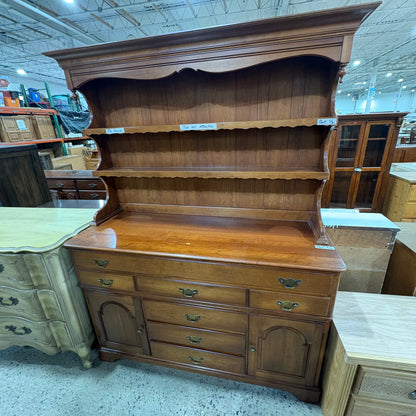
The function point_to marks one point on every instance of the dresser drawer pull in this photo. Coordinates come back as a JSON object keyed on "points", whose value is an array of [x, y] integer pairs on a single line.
{"points": [[92, 185], [101, 263], [13, 301], [1, 268], [191, 317], [94, 196], [188, 293], [13, 329], [289, 283], [106, 282], [412, 395], [196, 360], [59, 185], [194, 340], [287, 305]]}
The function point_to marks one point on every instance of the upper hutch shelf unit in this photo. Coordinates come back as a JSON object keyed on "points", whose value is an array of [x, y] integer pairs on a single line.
{"points": [[210, 254], [235, 117]]}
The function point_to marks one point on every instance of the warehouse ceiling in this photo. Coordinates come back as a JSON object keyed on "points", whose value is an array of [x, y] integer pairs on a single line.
{"points": [[385, 45]]}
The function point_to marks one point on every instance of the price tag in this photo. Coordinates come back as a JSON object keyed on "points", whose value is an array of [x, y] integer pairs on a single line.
{"points": [[115, 131], [206, 126], [327, 122], [325, 247]]}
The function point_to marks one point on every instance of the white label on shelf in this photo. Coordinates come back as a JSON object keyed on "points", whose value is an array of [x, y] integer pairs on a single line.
{"points": [[327, 121], [21, 124], [206, 126], [325, 247], [117, 130]]}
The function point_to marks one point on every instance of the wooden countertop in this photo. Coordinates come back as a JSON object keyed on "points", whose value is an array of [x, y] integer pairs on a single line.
{"points": [[407, 234], [237, 240], [68, 174], [40, 229], [377, 329], [409, 176]]}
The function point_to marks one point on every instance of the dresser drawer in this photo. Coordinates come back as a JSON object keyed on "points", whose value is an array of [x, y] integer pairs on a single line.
{"points": [[288, 302], [91, 185], [368, 407], [197, 338], [61, 183], [195, 317], [14, 272], [412, 194], [386, 385], [198, 358], [106, 280], [192, 291], [92, 194], [20, 331], [267, 278]]}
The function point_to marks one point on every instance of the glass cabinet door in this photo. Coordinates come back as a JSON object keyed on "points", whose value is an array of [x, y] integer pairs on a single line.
{"points": [[348, 145], [376, 145]]}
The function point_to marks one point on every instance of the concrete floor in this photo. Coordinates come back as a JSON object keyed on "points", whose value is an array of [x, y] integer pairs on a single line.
{"points": [[33, 383]]}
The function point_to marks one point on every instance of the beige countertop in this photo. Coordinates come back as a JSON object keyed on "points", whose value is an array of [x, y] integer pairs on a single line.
{"points": [[408, 176], [377, 329], [40, 229]]}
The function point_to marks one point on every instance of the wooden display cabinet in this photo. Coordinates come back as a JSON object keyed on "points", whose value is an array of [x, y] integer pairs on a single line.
{"points": [[210, 254], [360, 160]]}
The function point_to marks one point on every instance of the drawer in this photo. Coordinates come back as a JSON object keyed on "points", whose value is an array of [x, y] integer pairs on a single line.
{"points": [[363, 407], [206, 318], [197, 338], [92, 194], [61, 183], [106, 280], [91, 185], [198, 358], [192, 291], [318, 284], [385, 384], [20, 331], [288, 302], [14, 272], [69, 194], [412, 194], [409, 210]]}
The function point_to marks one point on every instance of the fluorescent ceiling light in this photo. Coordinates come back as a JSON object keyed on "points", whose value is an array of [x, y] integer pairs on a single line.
{"points": [[21, 71], [404, 86], [356, 63], [389, 74], [69, 1], [400, 80]]}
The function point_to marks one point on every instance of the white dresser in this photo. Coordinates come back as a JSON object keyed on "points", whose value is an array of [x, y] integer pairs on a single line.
{"points": [[40, 303]]}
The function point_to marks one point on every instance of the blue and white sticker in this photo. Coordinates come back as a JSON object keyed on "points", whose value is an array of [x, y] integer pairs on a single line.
{"points": [[325, 247], [117, 130]]}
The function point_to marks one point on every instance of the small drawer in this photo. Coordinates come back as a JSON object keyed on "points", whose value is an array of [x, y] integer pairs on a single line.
{"points": [[106, 280], [363, 407], [91, 185], [398, 386], [197, 338], [291, 303], [69, 194], [191, 291], [61, 183], [92, 194], [14, 272], [172, 313], [198, 358], [412, 194]]}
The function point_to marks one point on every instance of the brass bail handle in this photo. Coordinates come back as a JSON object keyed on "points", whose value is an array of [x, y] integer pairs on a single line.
{"points": [[101, 263], [286, 305], [188, 293], [192, 318], [289, 283], [106, 282]]}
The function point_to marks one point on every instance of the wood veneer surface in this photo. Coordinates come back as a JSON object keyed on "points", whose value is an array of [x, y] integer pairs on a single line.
{"points": [[237, 240]]}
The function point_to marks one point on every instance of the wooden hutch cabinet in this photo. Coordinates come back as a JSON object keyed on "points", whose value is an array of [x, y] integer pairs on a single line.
{"points": [[210, 254], [359, 160]]}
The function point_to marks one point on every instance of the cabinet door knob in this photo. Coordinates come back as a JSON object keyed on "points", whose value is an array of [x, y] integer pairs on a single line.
{"points": [[106, 282], [196, 360], [100, 263], [286, 305], [252, 348], [140, 331], [191, 317], [13, 301], [12, 328], [412, 395], [1, 268], [289, 283], [188, 293], [194, 340]]}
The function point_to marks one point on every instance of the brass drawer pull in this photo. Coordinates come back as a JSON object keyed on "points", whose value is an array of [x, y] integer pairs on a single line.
{"points": [[101, 263], [194, 340], [1, 268], [192, 318], [59, 185], [412, 395], [94, 196], [287, 305], [92, 185], [188, 293], [196, 360], [13, 329], [106, 282], [289, 283], [13, 301]]}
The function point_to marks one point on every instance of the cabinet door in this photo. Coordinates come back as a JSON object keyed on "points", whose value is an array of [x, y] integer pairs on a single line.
{"points": [[118, 322], [285, 350]]}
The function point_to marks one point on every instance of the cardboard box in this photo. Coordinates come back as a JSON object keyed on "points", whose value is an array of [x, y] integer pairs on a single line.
{"points": [[77, 150], [77, 162]]}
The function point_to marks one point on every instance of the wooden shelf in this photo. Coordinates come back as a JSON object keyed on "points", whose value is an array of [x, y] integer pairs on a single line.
{"points": [[57, 140], [164, 128], [212, 172], [27, 110]]}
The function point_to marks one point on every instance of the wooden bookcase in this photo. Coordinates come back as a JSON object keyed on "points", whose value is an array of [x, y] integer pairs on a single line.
{"points": [[210, 254], [359, 160]]}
